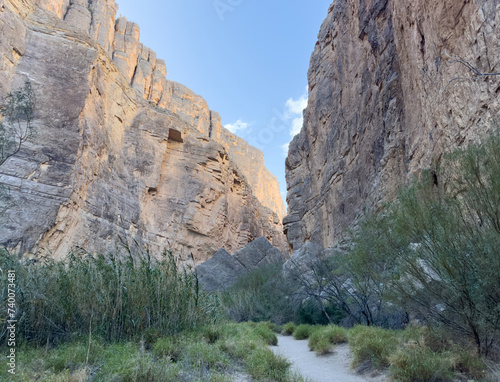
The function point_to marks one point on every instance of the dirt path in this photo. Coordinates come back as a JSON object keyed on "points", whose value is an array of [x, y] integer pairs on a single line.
{"points": [[329, 368]]}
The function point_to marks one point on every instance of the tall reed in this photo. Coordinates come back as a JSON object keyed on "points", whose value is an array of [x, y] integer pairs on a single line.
{"points": [[117, 297]]}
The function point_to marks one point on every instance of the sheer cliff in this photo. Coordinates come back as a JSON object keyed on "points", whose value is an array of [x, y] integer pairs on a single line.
{"points": [[122, 156], [385, 100]]}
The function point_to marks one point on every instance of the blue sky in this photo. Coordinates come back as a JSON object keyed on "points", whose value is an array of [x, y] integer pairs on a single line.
{"points": [[247, 58]]}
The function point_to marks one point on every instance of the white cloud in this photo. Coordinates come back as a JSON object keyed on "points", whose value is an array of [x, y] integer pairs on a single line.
{"points": [[284, 149], [239, 125], [296, 126], [293, 111], [296, 106], [293, 117]]}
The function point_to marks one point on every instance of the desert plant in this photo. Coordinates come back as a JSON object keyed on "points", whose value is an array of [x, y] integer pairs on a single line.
{"points": [[288, 329], [323, 338], [16, 127], [112, 297], [260, 295], [444, 238], [303, 331], [373, 345]]}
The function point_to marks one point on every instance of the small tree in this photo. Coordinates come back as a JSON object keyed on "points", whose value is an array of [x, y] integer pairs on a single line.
{"points": [[355, 282], [16, 125]]}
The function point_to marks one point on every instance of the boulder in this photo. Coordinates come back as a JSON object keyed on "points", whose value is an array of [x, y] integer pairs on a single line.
{"points": [[223, 270]]}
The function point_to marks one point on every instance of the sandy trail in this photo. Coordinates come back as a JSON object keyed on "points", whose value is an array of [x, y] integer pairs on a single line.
{"points": [[334, 367]]}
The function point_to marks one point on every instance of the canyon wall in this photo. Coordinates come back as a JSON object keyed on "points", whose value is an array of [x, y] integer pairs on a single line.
{"points": [[122, 157], [386, 100]]}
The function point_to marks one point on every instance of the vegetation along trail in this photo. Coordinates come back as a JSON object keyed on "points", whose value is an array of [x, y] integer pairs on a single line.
{"points": [[333, 367]]}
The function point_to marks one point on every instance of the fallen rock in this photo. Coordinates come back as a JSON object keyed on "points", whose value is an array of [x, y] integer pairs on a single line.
{"points": [[223, 270]]}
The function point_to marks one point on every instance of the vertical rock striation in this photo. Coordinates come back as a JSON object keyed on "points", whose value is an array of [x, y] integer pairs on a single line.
{"points": [[381, 105], [123, 156]]}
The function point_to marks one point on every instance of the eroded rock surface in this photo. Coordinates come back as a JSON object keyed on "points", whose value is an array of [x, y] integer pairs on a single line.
{"points": [[381, 106], [223, 269], [123, 157]]}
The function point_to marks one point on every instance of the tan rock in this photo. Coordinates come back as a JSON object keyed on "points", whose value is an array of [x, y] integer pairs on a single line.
{"points": [[380, 107], [120, 159], [250, 161]]}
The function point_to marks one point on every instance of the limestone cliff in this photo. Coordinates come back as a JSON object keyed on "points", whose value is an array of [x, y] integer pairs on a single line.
{"points": [[381, 105], [123, 156]]}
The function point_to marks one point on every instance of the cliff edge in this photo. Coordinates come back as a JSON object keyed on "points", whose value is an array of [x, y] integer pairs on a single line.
{"points": [[122, 157], [386, 100]]}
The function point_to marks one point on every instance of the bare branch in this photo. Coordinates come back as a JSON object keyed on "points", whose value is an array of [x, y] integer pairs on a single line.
{"points": [[475, 72]]}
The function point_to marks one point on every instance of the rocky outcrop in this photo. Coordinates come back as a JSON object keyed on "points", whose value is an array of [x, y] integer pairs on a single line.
{"points": [[123, 157], [250, 161], [381, 105], [223, 270]]}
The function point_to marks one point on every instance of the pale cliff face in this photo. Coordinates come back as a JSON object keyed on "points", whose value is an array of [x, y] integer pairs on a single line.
{"points": [[380, 108], [122, 155]]}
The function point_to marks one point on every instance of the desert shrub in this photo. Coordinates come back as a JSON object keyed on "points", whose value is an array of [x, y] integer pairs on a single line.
{"points": [[260, 295], [202, 356], [323, 339], [303, 331], [288, 329], [433, 253], [272, 326], [419, 364], [373, 345], [311, 312], [265, 365], [319, 343], [127, 363], [168, 347], [267, 334], [468, 362]]}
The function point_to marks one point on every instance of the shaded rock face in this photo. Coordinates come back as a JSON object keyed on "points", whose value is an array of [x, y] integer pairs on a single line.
{"points": [[223, 270], [381, 107], [123, 156]]}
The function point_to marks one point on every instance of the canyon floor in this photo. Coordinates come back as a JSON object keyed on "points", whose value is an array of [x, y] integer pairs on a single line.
{"points": [[333, 367]]}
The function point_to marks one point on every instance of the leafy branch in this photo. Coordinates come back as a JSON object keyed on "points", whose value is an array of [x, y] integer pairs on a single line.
{"points": [[16, 126]]}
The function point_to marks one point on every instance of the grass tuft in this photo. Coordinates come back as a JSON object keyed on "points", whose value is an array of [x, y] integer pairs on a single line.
{"points": [[373, 345], [322, 339], [288, 329], [302, 332]]}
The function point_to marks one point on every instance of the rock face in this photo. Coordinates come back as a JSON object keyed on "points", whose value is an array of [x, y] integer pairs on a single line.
{"points": [[381, 105], [223, 270], [123, 156]]}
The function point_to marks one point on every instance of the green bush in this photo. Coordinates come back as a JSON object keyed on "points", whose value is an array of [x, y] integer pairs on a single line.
{"points": [[262, 329], [288, 329], [322, 339], [202, 356], [372, 344], [468, 362], [419, 364], [260, 295], [272, 326], [303, 331], [265, 365], [432, 253], [168, 347], [127, 363], [319, 344]]}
